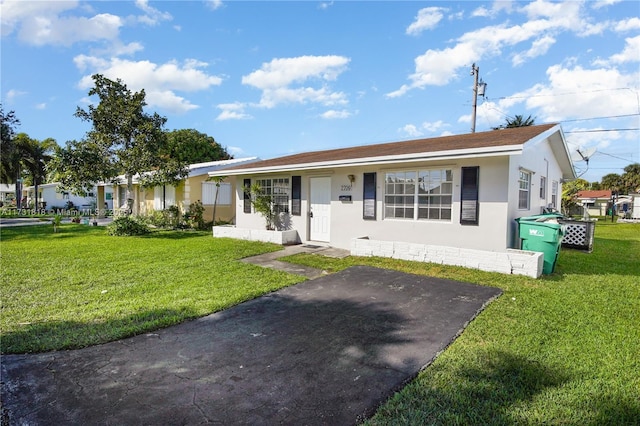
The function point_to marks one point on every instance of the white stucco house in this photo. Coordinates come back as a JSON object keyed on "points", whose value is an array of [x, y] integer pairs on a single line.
{"points": [[451, 199], [53, 197]]}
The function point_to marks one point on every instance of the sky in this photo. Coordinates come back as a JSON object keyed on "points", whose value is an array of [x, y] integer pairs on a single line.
{"points": [[268, 78]]}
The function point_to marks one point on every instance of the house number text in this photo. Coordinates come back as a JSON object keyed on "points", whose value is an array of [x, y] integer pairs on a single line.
{"points": [[345, 187]]}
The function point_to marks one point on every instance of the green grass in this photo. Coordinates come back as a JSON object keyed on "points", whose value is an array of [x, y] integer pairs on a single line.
{"points": [[563, 349], [81, 287]]}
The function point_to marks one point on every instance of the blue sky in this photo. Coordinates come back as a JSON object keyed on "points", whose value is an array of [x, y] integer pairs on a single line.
{"points": [[273, 78]]}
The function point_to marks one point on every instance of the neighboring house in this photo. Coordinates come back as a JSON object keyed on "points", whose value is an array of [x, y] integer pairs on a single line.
{"points": [[51, 197], [7, 194], [191, 189], [596, 202], [463, 191]]}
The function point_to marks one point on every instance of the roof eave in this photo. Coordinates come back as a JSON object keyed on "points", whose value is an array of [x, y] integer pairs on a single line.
{"points": [[371, 161]]}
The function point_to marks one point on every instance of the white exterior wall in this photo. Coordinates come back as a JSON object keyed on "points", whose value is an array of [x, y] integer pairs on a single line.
{"points": [[537, 158], [490, 234]]}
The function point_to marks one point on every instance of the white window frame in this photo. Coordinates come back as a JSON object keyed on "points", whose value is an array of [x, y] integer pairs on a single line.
{"points": [[524, 189], [279, 189], [543, 187], [419, 195]]}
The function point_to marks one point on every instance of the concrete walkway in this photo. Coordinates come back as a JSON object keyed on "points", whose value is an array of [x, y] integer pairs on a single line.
{"points": [[327, 351], [270, 260]]}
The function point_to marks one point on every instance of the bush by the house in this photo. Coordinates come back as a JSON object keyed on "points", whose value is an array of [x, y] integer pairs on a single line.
{"points": [[127, 226]]}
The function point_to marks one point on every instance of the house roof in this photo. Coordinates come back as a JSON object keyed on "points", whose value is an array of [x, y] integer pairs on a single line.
{"points": [[199, 169], [490, 143], [603, 194]]}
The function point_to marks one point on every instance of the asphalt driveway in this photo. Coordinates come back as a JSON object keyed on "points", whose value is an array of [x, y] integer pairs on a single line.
{"points": [[324, 352]]}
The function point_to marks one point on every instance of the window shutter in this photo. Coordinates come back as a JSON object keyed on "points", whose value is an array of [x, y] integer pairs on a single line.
{"points": [[246, 185], [369, 197], [469, 209], [296, 195]]}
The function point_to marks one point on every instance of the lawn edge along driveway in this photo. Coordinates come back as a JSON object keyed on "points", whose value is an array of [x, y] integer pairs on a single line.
{"points": [[326, 351]]}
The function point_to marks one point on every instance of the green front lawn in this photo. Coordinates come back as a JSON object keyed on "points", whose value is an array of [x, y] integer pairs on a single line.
{"points": [[563, 349], [81, 287]]}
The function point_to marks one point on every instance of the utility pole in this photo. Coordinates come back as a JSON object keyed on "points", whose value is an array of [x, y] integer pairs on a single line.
{"points": [[478, 89]]}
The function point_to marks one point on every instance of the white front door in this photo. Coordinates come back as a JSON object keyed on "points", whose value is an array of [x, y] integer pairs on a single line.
{"points": [[320, 209]]}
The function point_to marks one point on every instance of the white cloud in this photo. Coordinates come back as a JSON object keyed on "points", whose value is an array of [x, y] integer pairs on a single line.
{"points": [[276, 78], [414, 131], [159, 81], [545, 19], [581, 93], [498, 6], [334, 114], [631, 52], [42, 105], [410, 130], [325, 5], [427, 19], [631, 24], [12, 94], [232, 111], [538, 48], [214, 4], [604, 3], [152, 15]]}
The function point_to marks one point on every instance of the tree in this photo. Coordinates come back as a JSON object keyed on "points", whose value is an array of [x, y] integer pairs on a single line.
{"points": [[631, 178], [35, 156], [517, 121], [124, 139], [569, 191], [612, 181], [9, 154], [191, 146]]}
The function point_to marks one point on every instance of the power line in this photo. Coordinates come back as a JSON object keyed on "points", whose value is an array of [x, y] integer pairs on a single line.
{"points": [[566, 93], [603, 130], [601, 118]]}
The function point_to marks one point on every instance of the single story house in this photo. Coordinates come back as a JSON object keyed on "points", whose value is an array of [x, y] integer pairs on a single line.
{"points": [[595, 202], [52, 197], [191, 189], [426, 199]]}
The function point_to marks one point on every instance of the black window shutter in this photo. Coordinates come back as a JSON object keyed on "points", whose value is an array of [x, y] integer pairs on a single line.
{"points": [[296, 195], [369, 197], [246, 195], [469, 205]]}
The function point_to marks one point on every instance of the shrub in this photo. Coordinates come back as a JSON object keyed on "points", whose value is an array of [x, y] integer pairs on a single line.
{"points": [[126, 226], [196, 215]]}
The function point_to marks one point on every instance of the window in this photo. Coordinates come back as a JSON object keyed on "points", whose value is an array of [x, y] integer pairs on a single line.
{"points": [[279, 190], [554, 194], [524, 185], [296, 195], [543, 187], [419, 195], [369, 197], [246, 196], [164, 197], [209, 190], [469, 209]]}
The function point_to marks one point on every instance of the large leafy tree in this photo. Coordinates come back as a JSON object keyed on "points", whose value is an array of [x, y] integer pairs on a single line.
{"points": [[612, 181], [124, 139], [9, 153], [191, 146], [35, 156], [631, 178], [569, 191]]}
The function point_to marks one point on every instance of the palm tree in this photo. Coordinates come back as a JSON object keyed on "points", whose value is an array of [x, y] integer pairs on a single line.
{"points": [[35, 155], [517, 121]]}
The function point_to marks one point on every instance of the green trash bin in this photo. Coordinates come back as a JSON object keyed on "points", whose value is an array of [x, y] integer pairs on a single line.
{"points": [[543, 234]]}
